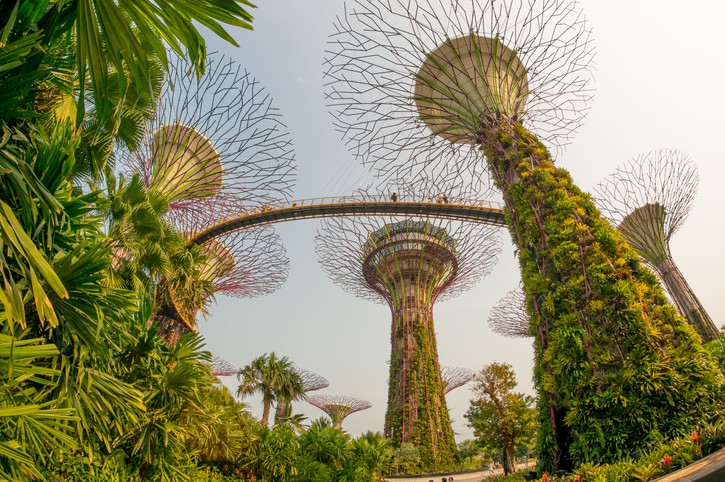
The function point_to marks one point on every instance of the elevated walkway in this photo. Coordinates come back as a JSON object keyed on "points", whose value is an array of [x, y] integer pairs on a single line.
{"points": [[488, 212]]}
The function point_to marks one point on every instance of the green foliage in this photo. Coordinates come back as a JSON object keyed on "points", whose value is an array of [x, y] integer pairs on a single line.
{"points": [[659, 460], [716, 348], [500, 418], [414, 370], [31, 425], [616, 366], [275, 378], [407, 459]]}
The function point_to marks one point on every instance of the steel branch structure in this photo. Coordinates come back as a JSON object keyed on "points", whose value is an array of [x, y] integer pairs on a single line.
{"points": [[455, 377], [410, 82], [509, 317], [409, 263], [222, 368], [311, 381], [338, 407], [443, 89], [217, 146], [648, 199]]}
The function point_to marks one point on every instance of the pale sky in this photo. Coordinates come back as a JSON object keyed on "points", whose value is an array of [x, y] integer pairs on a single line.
{"points": [[659, 81]]}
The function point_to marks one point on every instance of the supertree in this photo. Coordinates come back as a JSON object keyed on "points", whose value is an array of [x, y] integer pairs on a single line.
{"points": [[509, 317], [648, 199], [455, 377], [222, 368], [338, 407], [311, 382], [216, 146], [410, 263], [444, 88], [242, 264]]}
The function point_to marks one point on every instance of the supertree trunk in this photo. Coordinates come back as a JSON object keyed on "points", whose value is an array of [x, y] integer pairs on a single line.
{"points": [[608, 340], [686, 301], [417, 410]]}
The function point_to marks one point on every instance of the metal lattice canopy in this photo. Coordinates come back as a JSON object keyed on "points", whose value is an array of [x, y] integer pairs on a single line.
{"points": [[408, 83], [222, 368], [648, 199], [508, 317], [216, 146], [349, 247], [455, 377], [338, 407], [311, 381]]}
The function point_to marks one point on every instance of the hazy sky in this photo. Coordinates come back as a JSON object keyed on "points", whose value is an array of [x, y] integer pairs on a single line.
{"points": [[659, 76]]}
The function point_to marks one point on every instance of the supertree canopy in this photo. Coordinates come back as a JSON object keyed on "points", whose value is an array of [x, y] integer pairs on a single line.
{"points": [[509, 317], [455, 377], [648, 199], [338, 407], [410, 263], [222, 368], [443, 88], [447, 65], [216, 146], [242, 264], [311, 382]]}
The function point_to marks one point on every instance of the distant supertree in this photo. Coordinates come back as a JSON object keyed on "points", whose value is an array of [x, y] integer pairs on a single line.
{"points": [[449, 89], [216, 146], [338, 407], [509, 317], [222, 368], [410, 263], [310, 382], [455, 377], [648, 199]]}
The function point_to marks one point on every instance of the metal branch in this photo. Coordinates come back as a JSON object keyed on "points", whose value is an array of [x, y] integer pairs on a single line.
{"points": [[338, 407], [222, 368], [311, 381], [648, 199], [406, 119], [246, 263], [217, 145], [509, 317], [455, 377], [339, 244]]}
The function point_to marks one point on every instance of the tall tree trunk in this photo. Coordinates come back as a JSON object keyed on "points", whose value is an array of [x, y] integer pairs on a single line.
{"points": [[509, 458]]}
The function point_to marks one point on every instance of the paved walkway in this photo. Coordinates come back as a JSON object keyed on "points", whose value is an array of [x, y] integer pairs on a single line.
{"points": [[457, 477]]}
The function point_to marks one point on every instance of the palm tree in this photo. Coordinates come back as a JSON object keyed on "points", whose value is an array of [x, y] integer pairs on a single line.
{"points": [[275, 378]]}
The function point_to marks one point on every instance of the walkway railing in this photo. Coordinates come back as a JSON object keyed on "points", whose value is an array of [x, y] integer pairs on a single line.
{"points": [[489, 212]]}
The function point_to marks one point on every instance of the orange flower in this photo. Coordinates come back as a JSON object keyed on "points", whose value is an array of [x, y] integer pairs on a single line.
{"points": [[695, 438], [666, 459], [577, 478], [545, 477]]}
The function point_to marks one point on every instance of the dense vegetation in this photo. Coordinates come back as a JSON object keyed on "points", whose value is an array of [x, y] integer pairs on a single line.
{"points": [[616, 366], [90, 390], [501, 418]]}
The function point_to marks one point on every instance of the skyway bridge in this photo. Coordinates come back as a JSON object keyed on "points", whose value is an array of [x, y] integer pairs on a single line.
{"points": [[479, 211]]}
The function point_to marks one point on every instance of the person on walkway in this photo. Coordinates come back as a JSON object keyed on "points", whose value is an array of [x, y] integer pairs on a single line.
{"points": [[394, 197]]}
